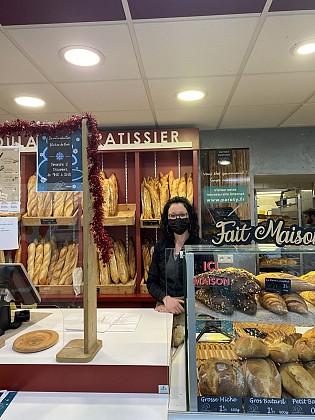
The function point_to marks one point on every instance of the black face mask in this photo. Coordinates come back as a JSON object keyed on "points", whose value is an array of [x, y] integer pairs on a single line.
{"points": [[178, 226]]}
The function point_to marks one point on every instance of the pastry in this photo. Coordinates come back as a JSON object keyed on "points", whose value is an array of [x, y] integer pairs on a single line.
{"points": [[295, 303], [273, 303]]}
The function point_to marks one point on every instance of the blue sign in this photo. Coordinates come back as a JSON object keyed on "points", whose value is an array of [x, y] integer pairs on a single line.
{"points": [[59, 162]]}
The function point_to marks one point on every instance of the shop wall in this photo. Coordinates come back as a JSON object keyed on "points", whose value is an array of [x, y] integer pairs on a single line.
{"points": [[272, 150]]}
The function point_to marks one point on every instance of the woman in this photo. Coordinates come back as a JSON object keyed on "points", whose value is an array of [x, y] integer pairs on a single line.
{"points": [[165, 281]]}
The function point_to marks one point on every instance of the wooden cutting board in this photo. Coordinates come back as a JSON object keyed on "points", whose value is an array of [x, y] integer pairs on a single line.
{"points": [[34, 341]]}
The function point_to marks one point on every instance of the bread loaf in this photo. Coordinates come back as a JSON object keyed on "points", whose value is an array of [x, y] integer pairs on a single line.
{"points": [[250, 347], [273, 303], [59, 203], [190, 189], [221, 377], [104, 271], [59, 265], [31, 196], [297, 381], [283, 353], [305, 348], [246, 304], [42, 277], [53, 262], [292, 338], [31, 250], [121, 258], [217, 303], [39, 255], [131, 258], [113, 267], [262, 378], [113, 194], [182, 186], [295, 303], [68, 204]]}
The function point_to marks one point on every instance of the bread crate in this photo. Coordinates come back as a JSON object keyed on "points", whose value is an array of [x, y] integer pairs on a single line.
{"points": [[119, 289], [126, 216], [58, 289]]}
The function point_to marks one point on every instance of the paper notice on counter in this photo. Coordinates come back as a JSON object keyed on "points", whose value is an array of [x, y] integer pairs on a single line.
{"points": [[109, 321], [9, 233]]}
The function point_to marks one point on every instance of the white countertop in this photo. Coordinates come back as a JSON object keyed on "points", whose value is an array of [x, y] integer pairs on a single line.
{"points": [[149, 344]]}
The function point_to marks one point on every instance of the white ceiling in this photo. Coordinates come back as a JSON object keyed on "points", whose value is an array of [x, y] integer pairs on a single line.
{"points": [[243, 61]]}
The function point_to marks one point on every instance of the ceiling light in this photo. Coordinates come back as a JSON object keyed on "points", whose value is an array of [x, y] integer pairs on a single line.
{"points": [[29, 101], [303, 48], [81, 56], [190, 95]]}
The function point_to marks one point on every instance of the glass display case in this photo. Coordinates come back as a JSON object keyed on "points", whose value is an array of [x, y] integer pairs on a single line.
{"points": [[250, 336]]}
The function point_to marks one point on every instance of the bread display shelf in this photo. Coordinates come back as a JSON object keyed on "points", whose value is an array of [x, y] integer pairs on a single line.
{"points": [[58, 289], [143, 287], [262, 316], [18, 215], [119, 289], [126, 216], [150, 223], [49, 220]]}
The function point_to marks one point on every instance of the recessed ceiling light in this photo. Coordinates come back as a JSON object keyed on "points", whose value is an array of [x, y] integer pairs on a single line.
{"points": [[81, 56], [29, 101], [190, 95], [304, 47]]}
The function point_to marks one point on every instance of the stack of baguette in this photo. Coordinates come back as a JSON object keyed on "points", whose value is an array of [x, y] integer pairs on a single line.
{"points": [[110, 193], [49, 265], [121, 267], [46, 204], [155, 192], [147, 253]]}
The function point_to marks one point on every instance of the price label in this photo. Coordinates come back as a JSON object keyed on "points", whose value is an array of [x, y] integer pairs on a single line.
{"points": [[302, 406], [220, 404], [266, 406], [48, 221], [280, 286]]}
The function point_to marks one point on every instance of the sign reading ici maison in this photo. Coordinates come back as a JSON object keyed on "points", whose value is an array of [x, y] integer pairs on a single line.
{"points": [[236, 233]]}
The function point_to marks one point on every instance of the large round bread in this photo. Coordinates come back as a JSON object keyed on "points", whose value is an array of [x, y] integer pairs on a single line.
{"points": [[250, 347], [221, 377]]}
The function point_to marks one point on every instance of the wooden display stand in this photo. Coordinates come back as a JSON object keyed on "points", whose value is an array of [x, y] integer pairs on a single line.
{"points": [[83, 351]]}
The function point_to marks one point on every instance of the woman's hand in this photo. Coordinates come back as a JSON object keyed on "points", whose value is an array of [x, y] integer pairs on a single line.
{"points": [[173, 305]]}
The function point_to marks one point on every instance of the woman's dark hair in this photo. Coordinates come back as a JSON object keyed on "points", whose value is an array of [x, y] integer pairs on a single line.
{"points": [[193, 227]]}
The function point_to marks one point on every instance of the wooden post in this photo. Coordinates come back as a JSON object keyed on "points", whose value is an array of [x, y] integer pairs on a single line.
{"points": [[78, 350]]}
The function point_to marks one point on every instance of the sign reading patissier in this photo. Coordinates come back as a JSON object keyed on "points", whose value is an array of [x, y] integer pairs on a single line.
{"points": [[185, 138], [9, 179]]}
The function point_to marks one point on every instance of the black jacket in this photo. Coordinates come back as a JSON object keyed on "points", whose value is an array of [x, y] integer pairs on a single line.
{"points": [[166, 272]]}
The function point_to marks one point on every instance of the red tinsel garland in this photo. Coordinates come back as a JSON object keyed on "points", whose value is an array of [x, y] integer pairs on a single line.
{"points": [[33, 128]]}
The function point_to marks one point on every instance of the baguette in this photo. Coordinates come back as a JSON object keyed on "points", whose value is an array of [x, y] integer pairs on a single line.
{"points": [[113, 194], [297, 380], [174, 188], [59, 265], [69, 264], [39, 255], [42, 277], [131, 258], [31, 250], [18, 252], [164, 194], [104, 270], [59, 203], [190, 189], [68, 204], [53, 262], [262, 378], [44, 204], [31, 196], [121, 258], [146, 202], [2, 256], [113, 267], [182, 186]]}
